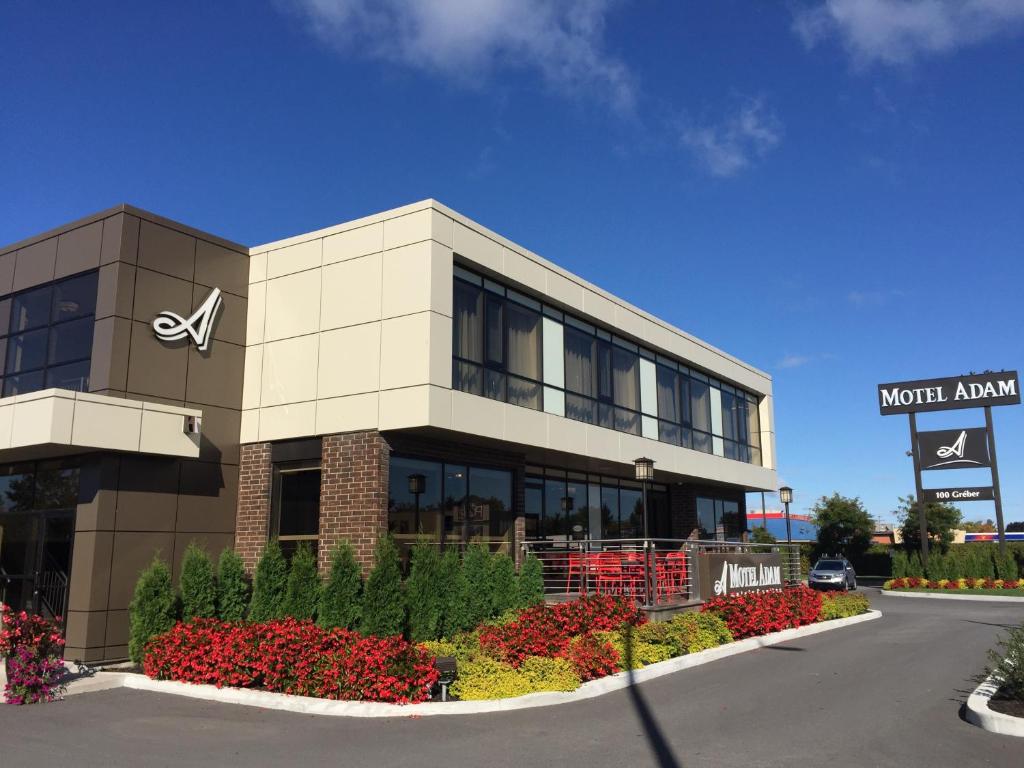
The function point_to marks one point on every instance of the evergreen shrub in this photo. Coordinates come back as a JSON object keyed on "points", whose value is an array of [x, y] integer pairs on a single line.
{"points": [[302, 592], [198, 586], [269, 584], [383, 602], [341, 599], [423, 593], [153, 609], [232, 586]]}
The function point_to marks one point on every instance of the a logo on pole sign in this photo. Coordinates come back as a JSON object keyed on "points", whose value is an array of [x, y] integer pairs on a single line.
{"points": [[954, 448], [170, 326]]}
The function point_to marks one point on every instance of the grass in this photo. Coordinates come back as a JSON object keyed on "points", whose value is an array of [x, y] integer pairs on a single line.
{"points": [[991, 592]]}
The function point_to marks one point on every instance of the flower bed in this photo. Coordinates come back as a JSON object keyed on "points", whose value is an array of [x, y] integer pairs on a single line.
{"points": [[33, 649], [955, 585], [292, 656], [543, 648]]}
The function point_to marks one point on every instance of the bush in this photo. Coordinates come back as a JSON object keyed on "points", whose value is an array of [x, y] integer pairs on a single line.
{"points": [[899, 564], [269, 584], [530, 582], [423, 593], [303, 588], [549, 674], [837, 605], [591, 657], [454, 595], [692, 632], [1006, 566], [33, 647], [383, 603], [153, 609], [634, 652], [232, 586], [198, 587], [503, 587], [341, 597], [548, 630], [757, 613], [914, 567], [1007, 668], [294, 657], [476, 570], [487, 678]]}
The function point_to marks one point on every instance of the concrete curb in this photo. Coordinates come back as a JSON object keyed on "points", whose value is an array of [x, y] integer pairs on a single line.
{"points": [[312, 706], [979, 714], [931, 596]]}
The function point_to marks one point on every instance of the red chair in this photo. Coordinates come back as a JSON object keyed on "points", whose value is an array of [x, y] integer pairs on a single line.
{"points": [[675, 573], [574, 568], [608, 574]]}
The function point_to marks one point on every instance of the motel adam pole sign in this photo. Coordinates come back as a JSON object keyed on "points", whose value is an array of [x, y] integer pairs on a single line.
{"points": [[968, 448]]}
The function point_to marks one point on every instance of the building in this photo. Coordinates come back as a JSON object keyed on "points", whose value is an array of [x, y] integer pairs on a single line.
{"points": [[410, 371], [774, 521]]}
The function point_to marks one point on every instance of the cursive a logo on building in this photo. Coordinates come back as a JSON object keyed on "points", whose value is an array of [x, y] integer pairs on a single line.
{"points": [[737, 577], [170, 326]]}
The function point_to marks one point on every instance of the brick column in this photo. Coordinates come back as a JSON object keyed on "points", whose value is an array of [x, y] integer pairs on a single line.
{"points": [[252, 520], [353, 494]]}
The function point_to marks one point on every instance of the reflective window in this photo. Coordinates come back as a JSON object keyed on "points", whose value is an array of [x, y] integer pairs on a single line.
{"points": [[295, 512], [50, 336], [718, 519]]}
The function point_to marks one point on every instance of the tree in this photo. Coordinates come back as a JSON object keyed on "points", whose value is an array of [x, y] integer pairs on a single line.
{"points": [[423, 595], [503, 588], [844, 526], [455, 595], [941, 519], [530, 583], [232, 586], [269, 584], [1017, 526], [761, 535], [302, 592], [476, 568], [198, 587], [383, 604], [153, 609], [979, 526], [342, 595]]}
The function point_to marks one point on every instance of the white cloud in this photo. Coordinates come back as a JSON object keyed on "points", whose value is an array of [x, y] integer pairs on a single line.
{"points": [[873, 298], [898, 31], [793, 361], [563, 41], [728, 147]]}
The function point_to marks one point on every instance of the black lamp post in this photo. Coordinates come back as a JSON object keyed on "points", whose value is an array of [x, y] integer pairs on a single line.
{"points": [[417, 485], [786, 497], [568, 502], [644, 469]]}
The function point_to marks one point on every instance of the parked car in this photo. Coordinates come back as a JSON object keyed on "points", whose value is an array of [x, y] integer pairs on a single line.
{"points": [[832, 573]]}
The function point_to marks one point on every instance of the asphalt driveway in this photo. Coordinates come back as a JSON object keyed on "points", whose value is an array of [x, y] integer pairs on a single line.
{"points": [[883, 693]]}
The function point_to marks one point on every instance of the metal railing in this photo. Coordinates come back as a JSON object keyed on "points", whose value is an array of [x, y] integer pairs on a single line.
{"points": [[653, 572]]}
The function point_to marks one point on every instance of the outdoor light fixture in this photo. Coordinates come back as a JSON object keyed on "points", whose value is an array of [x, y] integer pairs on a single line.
{"points": [[644, 469], [645, 473], [417, 485], [786, 497]]}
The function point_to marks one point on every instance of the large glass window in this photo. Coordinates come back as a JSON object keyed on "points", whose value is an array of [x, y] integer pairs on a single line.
{"points": [[718, 519], [48, 336], [593, 376], [454, 502], [496, 342], [295, 511]]}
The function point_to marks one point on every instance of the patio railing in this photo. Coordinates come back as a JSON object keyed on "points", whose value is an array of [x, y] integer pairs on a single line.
{"points": [[653, 572]]}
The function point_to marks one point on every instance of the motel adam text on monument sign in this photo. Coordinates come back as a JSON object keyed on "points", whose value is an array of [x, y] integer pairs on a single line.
{"points": [[950, 449]]}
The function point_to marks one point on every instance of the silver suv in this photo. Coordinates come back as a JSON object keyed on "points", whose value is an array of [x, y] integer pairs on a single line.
{"points": [[832, 573]]}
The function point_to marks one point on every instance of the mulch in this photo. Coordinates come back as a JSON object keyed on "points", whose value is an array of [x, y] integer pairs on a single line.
{"points": [[1006, 706]]}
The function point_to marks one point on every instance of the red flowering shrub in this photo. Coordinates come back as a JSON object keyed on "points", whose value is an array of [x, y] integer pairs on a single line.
{"points": [[1011, 584], [33, 647], [546, 630], [591, 657], [952, 584], [291, 656], [757, 613]]}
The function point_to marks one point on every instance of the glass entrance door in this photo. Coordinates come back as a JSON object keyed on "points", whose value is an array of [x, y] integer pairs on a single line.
{"points": [[35, 561]]}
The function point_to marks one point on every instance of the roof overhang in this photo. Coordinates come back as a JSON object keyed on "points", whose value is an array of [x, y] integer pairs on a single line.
{"points": [[58, 422]]}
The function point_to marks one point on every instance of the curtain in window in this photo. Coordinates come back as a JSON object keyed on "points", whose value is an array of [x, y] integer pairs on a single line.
{"points": [[668, 395], [468, 339], [524, 348], [700, 399], [579, 362], [626, 378]]}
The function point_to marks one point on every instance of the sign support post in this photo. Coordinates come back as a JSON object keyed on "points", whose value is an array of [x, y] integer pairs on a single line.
{"points": [[922, 518], [995, 480]]}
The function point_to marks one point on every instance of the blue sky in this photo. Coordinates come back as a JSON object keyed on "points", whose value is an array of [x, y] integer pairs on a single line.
{"points": [[832, 191]]}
